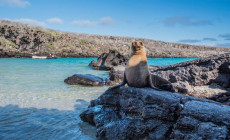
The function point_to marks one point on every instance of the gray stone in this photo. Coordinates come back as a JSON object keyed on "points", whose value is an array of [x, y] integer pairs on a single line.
{"points": [[108, 60], [144, 113], [198, 73], [84, 79]]}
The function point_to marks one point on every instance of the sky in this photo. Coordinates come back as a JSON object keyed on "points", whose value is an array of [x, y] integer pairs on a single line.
{"points": [[199, 22]]}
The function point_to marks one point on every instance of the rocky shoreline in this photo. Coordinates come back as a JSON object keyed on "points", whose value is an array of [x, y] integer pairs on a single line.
{"points": [[199, 110], [202, 78], [19, 40], [143, 113]]}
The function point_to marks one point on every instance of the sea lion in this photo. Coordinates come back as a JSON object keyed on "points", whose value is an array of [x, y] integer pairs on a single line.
{"points": [[137, 73]]}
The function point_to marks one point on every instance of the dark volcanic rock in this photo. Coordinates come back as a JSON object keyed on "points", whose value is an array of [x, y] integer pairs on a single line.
{"points": [[225, 68], [182, 87], [202, 120], [116, 75], [143, 113], [201, 78], [87, 80], [197, 72], [108, 60], [200, 72], [222, 98]]}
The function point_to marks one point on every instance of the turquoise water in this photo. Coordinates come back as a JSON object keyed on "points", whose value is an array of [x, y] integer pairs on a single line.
{"points": [[166, 61], [36, 104]]}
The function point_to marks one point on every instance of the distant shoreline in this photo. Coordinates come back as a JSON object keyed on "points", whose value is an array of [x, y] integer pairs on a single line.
{"points": [[20, 40], [96, 57]]}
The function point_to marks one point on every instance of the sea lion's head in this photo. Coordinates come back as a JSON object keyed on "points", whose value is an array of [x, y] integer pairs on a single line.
{"points": [[137, 47]]}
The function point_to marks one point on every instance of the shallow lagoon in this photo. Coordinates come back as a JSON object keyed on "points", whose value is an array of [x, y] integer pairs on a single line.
{"points": [[35, 103]]}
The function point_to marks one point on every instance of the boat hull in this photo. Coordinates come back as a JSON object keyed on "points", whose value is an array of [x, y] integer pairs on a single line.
{"points": [[39, 57]]}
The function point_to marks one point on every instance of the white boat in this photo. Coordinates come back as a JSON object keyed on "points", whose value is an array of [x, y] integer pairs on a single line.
{"points": [[39, 57]]}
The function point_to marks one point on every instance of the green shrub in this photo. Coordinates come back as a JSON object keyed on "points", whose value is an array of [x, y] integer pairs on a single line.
{"points": [[114, 49], [92, 48], [50, 46], [12, 44], [52, 35], [71, 47], [4, 42], [37, 29], [83, 42]]}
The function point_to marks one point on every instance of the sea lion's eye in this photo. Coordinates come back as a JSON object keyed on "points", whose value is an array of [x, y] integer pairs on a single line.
{"points": [[141, 43]]}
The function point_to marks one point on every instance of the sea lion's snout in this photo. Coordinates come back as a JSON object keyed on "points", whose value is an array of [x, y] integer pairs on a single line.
{"points": [[137, 45]]}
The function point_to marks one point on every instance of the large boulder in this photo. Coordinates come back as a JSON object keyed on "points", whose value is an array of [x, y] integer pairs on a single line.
{"points": [[143, 113], [108, 60], [200, 74], [84, 79]]}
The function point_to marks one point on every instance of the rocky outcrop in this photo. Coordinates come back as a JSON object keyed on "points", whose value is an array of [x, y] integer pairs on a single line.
{"points": [[107, 61], [86, 80], [19, 40], [222, 98], [200, 78], [203, 78], [143, 113]]}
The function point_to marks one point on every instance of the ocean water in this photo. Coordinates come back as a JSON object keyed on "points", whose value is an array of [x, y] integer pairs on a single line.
{"points": [[36, 104]]}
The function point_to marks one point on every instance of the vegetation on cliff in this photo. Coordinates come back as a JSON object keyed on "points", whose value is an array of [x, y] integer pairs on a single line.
{"points": [[19, 40]]}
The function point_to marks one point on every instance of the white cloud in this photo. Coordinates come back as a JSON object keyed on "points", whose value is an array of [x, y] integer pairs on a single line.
{"points": [[186, 21], [15, 3], [88, 23], [107, 21], [189, 41], [55, 20], [225, 36], [31, 22]]}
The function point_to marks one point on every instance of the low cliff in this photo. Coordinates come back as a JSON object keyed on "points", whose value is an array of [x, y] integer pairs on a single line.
{"points": [[142, 113], [19, 40]]}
